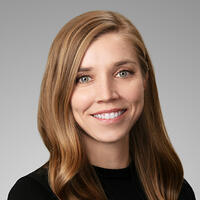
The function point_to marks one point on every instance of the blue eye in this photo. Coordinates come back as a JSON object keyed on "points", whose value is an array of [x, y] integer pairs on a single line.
{"points": [[83, 79], [123, 73]]}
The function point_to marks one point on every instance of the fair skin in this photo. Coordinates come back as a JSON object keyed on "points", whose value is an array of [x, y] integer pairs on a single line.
{"points": [[108, 99]]}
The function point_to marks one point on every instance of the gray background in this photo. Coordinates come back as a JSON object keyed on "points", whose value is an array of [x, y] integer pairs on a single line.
{"points": [[171, 32]]}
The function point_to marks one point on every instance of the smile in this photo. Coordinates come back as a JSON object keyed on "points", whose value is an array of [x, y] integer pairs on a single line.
{"points": [[111, 115]]}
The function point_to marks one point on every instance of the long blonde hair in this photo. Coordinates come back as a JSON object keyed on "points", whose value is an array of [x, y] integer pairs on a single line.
{"points": [[70, 174]]}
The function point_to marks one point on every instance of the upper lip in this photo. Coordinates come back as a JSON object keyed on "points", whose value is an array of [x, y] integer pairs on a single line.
{"points": [[108, 111]]}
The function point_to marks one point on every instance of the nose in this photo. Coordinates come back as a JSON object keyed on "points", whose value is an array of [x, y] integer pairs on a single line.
{"points": [[106, 90]]}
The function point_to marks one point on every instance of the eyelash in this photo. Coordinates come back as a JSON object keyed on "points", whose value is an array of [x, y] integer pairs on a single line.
{"points": [[85, 75]]}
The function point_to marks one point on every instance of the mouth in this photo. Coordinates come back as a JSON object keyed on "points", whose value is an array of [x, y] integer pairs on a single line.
{"points": [[109, 115]]}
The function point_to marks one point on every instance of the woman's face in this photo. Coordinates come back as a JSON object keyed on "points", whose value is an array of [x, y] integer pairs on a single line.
{"points": [[108, 97]]}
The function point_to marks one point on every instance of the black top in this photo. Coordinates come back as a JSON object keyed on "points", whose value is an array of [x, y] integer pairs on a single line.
{"points": [[118, 184]]}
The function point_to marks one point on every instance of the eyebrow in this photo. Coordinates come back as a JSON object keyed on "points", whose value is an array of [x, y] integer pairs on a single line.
{"points": [[117, 64]]}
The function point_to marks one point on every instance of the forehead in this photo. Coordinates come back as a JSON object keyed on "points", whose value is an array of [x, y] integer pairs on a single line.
{"points": [[108, 48]]}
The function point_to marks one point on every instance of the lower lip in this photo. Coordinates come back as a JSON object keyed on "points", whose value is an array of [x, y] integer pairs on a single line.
{"points": [[114, 120]]}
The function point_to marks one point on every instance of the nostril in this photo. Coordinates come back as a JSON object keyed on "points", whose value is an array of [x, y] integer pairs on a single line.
{"points": [[106, 94]]}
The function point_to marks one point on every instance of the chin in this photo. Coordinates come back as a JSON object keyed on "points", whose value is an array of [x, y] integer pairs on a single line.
{"points": [[109, 138]]}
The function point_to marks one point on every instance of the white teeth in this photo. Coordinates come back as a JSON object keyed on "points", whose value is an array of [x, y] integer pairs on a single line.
{"points": [[99, 116], [108, 115]]}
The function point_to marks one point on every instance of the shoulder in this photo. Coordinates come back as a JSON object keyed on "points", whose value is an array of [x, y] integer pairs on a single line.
{"points": [[186, 192], [32, 186]]}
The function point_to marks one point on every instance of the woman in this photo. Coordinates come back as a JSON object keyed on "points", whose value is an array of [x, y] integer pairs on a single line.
{"points": [[100, 118]]}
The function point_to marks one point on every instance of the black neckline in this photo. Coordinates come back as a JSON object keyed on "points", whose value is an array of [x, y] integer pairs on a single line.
{"points": [[113, 173]]}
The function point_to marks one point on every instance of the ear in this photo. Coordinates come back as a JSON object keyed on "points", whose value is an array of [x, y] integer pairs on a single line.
{"points": [[146, 79]]}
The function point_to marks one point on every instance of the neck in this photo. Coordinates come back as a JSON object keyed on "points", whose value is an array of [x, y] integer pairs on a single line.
{"points": [[113, 155]]}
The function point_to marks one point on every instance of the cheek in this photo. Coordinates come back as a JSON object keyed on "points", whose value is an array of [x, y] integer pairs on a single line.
{"points": [[134, 93], [80, 101]]}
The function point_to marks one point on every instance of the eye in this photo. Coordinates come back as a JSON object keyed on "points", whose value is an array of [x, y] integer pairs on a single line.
{"points": [[124, 73], [83, 79]]}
